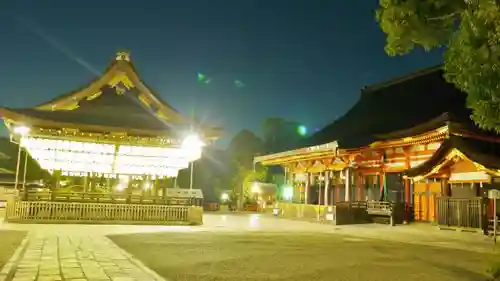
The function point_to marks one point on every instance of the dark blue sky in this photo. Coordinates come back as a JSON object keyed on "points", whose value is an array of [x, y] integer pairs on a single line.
{"points": [[304, 60]]}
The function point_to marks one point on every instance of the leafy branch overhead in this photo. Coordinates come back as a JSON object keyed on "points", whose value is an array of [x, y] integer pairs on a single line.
{"points": [[469, 30]]}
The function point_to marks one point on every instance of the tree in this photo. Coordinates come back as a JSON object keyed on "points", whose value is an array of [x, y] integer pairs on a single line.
{"points": [[244, 147], [208, 173], [243, 177], [470, 32], [281, 135], [240, 154]]}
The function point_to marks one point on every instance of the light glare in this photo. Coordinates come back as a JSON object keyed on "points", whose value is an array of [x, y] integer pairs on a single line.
{"points": [[255, 188], [21, 130], [119, 187], [191, 147]]}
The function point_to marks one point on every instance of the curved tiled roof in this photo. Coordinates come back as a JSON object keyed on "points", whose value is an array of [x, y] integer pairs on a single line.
{"points": [[400, 108], [109, 109]]}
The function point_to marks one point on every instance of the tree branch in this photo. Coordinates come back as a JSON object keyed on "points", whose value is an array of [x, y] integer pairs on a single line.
{"points": [[443, 17]]}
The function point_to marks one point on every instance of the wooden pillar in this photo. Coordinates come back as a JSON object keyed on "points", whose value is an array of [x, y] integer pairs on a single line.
{"points": [[164, 188], [382, 185], [86, 182], [57, 178], [407, 184], [383, 188], [327, 183], [337, 192], [155, 186], [306, 188], [359, 186], [446, 188], [347, 185]]}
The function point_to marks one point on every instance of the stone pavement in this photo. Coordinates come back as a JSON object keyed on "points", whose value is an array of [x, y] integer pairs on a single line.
{"points": [[83, 252], [68, 258], [80, 256]]}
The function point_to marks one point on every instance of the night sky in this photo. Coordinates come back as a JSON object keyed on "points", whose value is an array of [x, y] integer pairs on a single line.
{"points": [[304, 60]]}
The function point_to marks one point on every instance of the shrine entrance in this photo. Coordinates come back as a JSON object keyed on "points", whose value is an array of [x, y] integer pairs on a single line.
{"points": [[424, 200]]}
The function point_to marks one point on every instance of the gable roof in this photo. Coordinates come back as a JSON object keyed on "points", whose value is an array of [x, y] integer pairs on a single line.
{"points": [[108, 110], [121, 72], [485, 154], [118, 99], [409, 105]]}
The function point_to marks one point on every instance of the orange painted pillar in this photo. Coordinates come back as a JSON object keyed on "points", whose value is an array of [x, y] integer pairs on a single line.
{"points": [[359, 186], [381, 186], [407, 200], [407, 188]]}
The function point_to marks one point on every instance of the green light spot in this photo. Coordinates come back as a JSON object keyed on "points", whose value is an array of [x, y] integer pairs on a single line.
{"points": [[302, 130]]}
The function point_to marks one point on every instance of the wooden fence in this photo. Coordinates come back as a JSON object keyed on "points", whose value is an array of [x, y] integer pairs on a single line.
{"points": [[113, 198], [462, 213], [101, 213]]}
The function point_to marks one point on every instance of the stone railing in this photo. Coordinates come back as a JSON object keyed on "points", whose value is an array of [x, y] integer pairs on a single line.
{"points": [[341, 213], [306, 211], [101, 213]]}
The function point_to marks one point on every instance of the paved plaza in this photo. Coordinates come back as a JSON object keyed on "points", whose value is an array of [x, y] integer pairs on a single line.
{"points": [[84, 252]]}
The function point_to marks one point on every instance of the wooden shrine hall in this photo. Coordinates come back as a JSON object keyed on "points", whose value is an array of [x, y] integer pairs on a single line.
{"points": [[408, 141], [109, 146]]}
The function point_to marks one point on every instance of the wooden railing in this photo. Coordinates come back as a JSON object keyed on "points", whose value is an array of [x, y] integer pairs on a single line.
{"points": [[379, 208], [351, 205], [72, 212], [462, 213], [386, 212], [113, 198]]}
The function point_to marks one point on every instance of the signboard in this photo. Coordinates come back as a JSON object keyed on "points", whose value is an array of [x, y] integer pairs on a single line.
{"points": [[494, 194]]}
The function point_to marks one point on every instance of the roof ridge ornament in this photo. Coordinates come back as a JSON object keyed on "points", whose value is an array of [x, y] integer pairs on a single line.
{"points": [[125, 56]]}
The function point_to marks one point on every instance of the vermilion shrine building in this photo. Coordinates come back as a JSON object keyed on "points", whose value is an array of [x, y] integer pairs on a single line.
{"points": [[408, 140]]}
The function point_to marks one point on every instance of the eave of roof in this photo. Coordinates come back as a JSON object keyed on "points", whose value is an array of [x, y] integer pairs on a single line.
{"points": [[477, 151], [17, 118], [304, 153]]}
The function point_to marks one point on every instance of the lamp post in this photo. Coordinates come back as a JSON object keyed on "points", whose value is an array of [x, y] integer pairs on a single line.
{"points": [[17, 165], [25, 168], [20, 131], [191, 175]]}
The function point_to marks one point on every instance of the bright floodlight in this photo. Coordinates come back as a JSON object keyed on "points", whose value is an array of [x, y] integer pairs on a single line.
{"points": [[191, 146], [224, 197], [21, 130], [119, 187], [255, 188], [192, 142], [287, 192]]}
